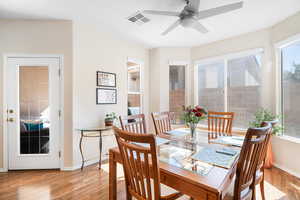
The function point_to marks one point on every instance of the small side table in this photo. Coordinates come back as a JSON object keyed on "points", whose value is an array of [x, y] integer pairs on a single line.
{"points": [[86, 132]]}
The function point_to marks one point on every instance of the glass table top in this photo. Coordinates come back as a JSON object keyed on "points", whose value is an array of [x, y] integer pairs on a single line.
{"points": [[196, 157], [195, 154]]}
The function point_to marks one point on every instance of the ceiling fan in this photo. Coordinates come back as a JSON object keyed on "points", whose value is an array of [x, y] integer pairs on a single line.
{"points": [[190, 15]]}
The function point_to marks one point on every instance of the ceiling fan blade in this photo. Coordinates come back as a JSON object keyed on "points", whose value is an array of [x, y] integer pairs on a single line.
{"points": [[165, 13], [193, 5], [219, 10], [173, 26], [199, 27]]}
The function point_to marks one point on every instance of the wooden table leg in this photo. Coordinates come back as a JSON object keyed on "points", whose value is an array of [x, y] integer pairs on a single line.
{"points": [[112, 177]]}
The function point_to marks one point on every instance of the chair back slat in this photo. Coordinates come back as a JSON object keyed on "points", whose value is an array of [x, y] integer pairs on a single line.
{"points": [[162, 121], [140, 164], [262, 157], [252, 148], [133, 123], [219, 124]]}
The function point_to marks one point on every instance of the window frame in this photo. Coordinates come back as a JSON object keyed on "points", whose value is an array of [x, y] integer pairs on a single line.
{"points": [[278, 71], [223, 58]]}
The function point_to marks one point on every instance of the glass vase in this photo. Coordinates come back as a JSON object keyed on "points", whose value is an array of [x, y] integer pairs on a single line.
{"points": [[193, 130]]}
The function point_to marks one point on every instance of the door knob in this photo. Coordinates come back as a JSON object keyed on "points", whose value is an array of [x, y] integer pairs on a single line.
{"points": [[10, 111], [10, 120]]}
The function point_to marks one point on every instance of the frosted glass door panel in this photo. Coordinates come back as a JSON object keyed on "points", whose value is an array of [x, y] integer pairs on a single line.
{"points": [[34, 109]]}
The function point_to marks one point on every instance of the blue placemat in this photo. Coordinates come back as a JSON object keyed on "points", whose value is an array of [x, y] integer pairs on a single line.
{"points": [[229, 140], [178, 132], [222, 157], [159, 141]]}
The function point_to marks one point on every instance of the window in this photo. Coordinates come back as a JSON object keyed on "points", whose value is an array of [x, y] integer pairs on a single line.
{"points": [[290, 92], [134, 88], [177, 91], [231, 85], [211, 86]]}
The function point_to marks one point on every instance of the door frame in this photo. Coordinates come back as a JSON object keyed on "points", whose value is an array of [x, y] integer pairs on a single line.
{"points": [[142, 80], [187, 81], [61, 104]]}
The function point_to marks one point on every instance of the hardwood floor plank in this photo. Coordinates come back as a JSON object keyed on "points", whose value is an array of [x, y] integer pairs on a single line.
{"points": [[92, 184]]}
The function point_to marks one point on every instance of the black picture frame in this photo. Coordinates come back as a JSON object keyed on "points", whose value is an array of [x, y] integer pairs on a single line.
{"points": [[98, 102], [113, 75]]}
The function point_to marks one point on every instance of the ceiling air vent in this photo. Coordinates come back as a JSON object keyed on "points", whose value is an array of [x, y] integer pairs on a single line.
{"points": [[138, 18]]}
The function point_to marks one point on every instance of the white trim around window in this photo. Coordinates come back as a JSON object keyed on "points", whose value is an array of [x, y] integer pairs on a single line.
{"points": [[278, 71], [228, 56], [223, 58]]}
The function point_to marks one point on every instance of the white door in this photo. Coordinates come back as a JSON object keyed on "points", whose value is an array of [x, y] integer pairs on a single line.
{"points": [[33, 113]]}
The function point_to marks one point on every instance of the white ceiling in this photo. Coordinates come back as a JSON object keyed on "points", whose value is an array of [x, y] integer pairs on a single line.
{"points": [[255, 15]]}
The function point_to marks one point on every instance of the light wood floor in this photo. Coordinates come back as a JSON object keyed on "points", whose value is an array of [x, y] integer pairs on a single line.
{"points": [[93, 184]]}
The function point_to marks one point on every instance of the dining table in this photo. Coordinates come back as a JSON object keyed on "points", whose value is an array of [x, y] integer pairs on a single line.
{"points": [[192, 165]]}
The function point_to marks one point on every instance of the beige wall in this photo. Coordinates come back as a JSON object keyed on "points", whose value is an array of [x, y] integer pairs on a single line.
{"points": [[285, 151], [250, 41], [96, 49], [40, 37], [159, 64]]}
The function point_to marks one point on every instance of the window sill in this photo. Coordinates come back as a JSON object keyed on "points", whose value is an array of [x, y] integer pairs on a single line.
{"points": [[288, 138], [240, 131]]}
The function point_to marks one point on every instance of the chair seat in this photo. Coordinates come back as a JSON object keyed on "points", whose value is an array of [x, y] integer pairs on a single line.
{"points": [[165, 191]]}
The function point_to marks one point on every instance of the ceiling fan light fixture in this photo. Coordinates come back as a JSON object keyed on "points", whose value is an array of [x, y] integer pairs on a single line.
{"points": [[188, 22], [190, 16]]}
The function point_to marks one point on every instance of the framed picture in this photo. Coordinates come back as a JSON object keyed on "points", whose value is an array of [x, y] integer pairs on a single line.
{"points": [[106, 96], [106, 79]]}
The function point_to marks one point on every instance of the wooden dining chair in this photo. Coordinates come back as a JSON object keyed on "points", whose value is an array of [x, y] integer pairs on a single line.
{"points": [[260, 172], [247, 165], [133, 123], [162, 121], [140, 165], [219, 124]]}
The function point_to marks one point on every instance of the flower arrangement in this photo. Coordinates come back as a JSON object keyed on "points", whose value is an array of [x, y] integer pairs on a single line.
{"points": [[192, 116]]}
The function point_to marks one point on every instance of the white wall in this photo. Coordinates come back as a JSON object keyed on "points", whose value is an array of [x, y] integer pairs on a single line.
{"points": [[40, 37], [97, 49]]}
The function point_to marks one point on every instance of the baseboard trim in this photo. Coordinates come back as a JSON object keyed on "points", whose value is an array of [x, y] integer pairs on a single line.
{"points": [[3, 170], [78, 166], [296, 174]]}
